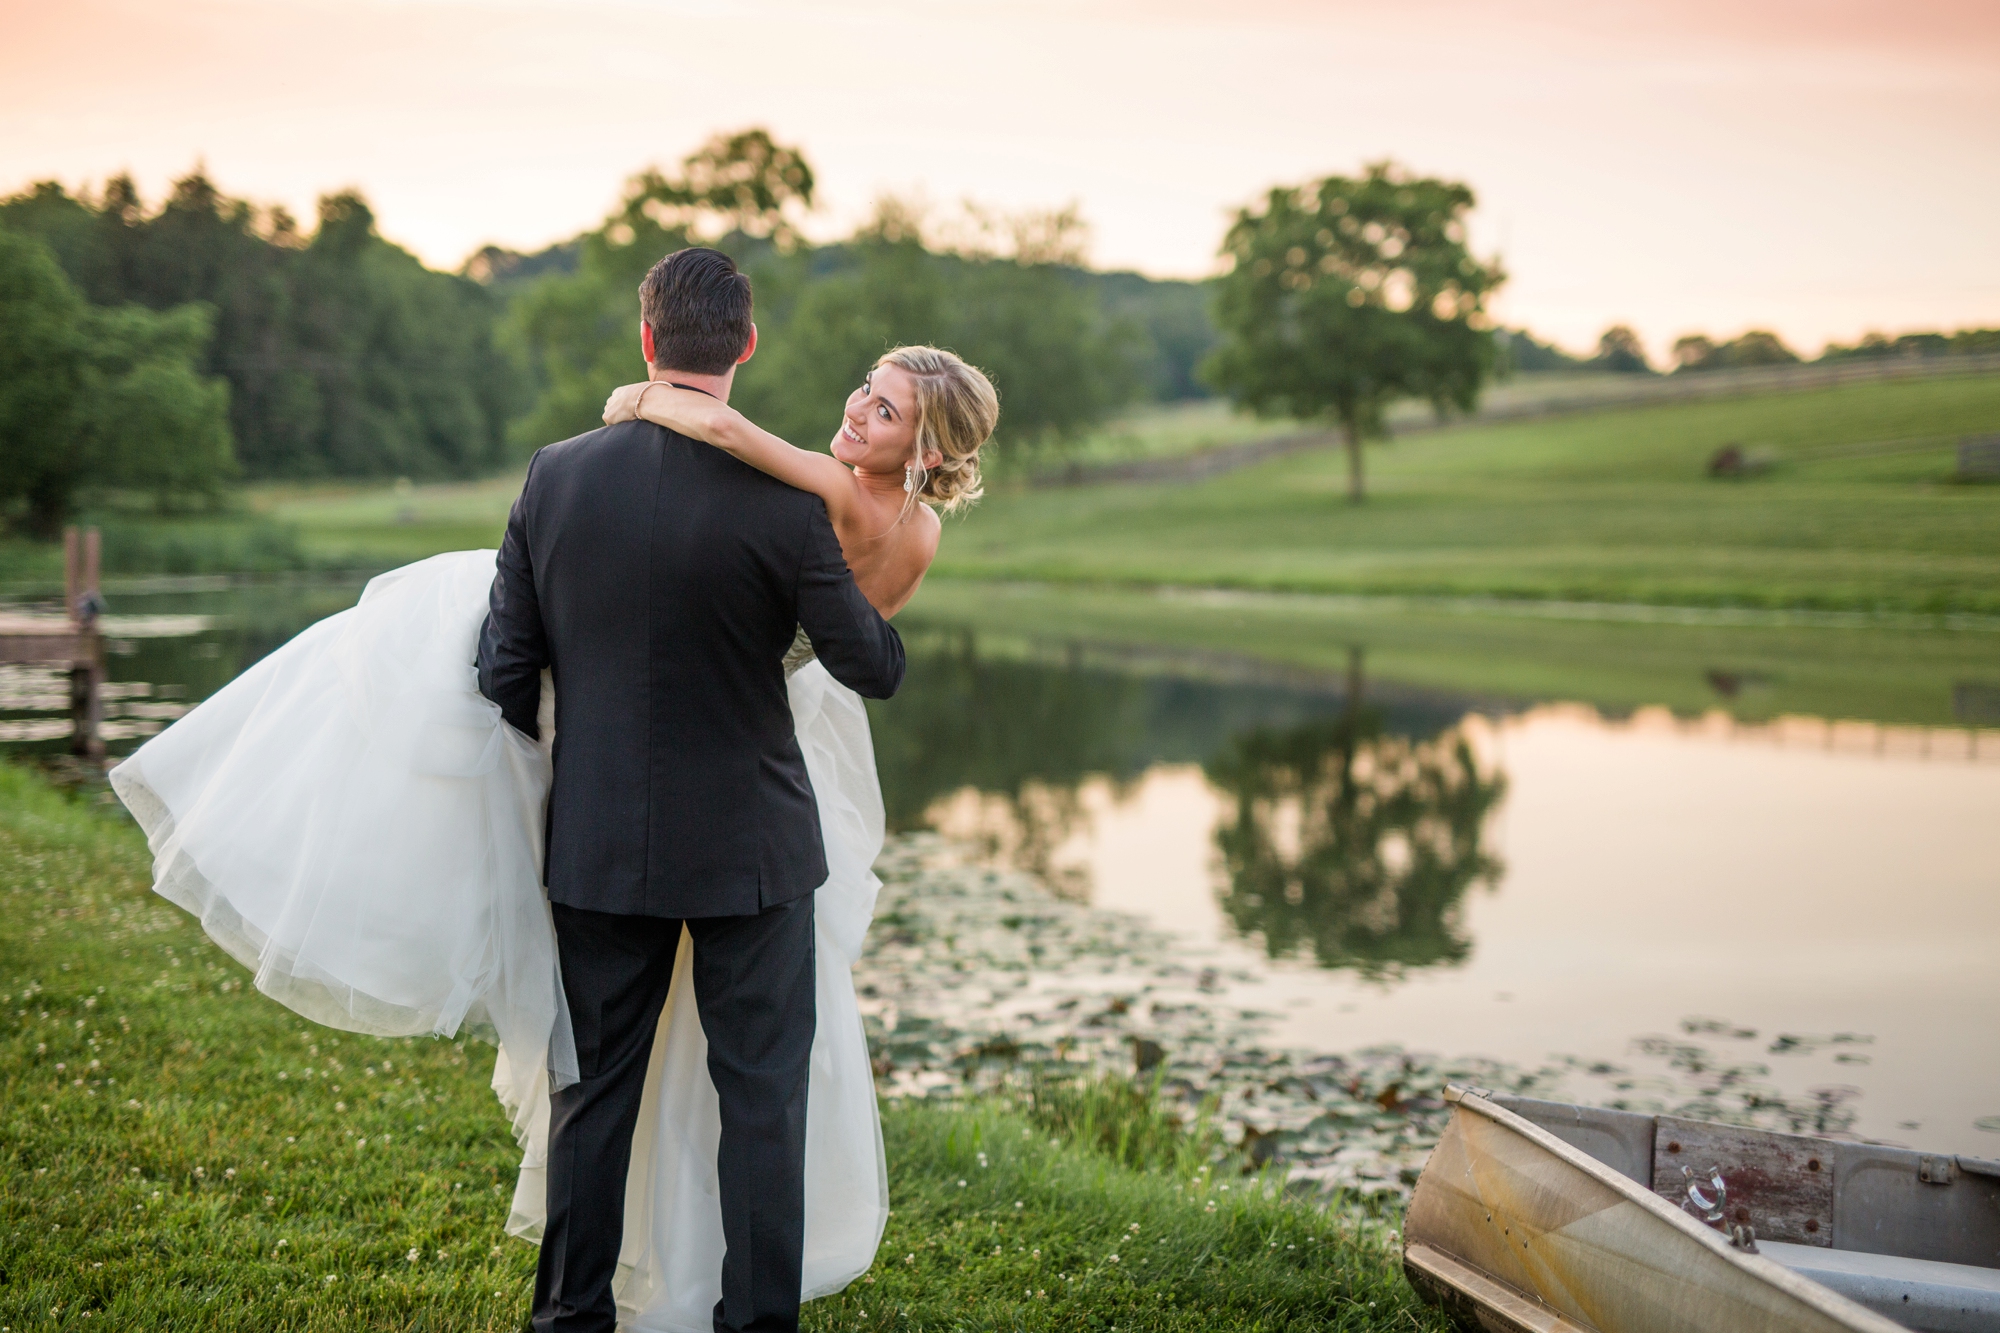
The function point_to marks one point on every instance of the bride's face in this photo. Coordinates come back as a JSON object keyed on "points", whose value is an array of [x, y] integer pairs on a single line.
{"points": [[880, 424]]}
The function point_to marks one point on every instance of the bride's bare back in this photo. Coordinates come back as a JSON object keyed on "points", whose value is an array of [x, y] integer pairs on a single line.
{"points": [[909, 439]]}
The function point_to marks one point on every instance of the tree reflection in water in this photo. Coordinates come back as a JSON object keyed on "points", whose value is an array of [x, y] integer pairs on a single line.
{"points": [[996, 750], [1351, 845]]}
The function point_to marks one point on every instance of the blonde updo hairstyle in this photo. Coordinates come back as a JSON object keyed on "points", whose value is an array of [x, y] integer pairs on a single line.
{"points": [[957, 410]]}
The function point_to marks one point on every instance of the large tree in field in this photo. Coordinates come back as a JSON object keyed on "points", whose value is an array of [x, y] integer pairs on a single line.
{"points": [[1350, 292]]}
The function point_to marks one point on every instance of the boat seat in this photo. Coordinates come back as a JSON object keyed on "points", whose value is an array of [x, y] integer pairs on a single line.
{"points": [[1920, 1294]]}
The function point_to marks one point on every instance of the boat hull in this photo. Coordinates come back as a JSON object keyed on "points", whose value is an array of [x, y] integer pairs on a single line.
{"points": [[1512, 1229]]}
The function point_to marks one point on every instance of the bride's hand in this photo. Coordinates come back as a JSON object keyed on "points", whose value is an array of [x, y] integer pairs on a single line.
{"points": [[623, 404]]}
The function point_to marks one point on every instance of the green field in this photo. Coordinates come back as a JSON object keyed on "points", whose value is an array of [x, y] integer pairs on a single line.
{"points": [[1857, 511], [180, 1153]]}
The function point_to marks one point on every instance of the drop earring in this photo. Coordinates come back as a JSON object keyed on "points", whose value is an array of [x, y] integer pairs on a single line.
{"points": [[909, 478]]}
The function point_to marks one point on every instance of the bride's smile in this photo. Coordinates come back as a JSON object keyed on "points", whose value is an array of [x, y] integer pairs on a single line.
{"points": [[876, 432]]}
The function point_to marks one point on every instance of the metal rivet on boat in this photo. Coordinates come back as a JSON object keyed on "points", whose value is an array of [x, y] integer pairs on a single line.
{"points": [[1812, 1224], [1812, 1164], [1674, 1146]]}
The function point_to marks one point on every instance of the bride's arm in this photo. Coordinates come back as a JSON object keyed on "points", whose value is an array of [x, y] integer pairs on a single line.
{"points": [[701, 417]]}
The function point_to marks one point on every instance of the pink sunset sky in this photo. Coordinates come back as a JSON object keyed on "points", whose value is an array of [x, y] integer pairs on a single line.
{"points": [[1817, 168]]}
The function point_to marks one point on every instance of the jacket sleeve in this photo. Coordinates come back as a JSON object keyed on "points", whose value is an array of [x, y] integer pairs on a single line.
{"points": [[858, 648], [513, 644]]}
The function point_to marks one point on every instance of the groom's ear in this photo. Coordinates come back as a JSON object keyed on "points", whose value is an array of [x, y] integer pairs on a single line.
{"points": [[749, 348], [646, 340]]}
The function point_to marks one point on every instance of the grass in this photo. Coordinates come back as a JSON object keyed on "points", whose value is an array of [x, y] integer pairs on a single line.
{"points": [[180, 1153], [1492, 651], [1858, 512], [1164, 430]]}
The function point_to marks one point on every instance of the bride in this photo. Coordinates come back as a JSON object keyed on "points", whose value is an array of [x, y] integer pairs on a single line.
{"points": [[351, 819]]}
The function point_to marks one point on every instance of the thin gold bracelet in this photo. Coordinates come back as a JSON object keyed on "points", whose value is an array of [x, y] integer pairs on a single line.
{"points": [[639, 408]]}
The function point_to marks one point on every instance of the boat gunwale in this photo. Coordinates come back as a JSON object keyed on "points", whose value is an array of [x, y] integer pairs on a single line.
{"points": [[1822, 1299]]}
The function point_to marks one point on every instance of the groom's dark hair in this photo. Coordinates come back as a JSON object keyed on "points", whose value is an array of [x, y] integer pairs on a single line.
{"points": [[698, 307]]}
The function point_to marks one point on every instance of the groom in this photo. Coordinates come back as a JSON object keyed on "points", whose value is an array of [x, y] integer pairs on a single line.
{"points": [[661, 581]]}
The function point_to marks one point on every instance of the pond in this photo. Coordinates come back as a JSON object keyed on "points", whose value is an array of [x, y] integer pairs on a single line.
{"points": [[1368, 862]]}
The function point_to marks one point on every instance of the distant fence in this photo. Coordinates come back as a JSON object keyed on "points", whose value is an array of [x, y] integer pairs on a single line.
{"points": [[1515, 401]]}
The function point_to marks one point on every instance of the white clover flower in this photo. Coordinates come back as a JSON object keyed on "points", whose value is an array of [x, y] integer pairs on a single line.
{"points": [[414, 1254]]}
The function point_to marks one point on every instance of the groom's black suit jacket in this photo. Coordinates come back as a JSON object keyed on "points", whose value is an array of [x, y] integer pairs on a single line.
{"points": [[661, 581]]}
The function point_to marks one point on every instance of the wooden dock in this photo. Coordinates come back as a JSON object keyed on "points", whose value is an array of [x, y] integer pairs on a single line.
{"points": [[69, 642]]}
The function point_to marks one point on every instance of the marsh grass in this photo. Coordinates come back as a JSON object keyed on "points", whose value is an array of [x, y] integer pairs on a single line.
{"points": [[180, 1153]]}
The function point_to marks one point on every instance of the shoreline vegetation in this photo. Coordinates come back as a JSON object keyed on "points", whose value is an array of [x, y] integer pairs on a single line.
{"points": [[183, 1153]]}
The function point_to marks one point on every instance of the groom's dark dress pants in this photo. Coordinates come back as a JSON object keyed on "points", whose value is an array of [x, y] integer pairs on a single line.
{"points": [[753, 987]]}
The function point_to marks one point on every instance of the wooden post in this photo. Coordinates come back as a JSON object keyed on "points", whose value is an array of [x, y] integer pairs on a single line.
{"points": [[86, 704], [82, 560], [72, 571], [93, 550]]}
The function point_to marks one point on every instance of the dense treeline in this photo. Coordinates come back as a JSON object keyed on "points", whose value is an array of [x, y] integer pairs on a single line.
{"points": [[1619, 350], [90, 395], [343, 354], [166, 349], [1065, 346]]}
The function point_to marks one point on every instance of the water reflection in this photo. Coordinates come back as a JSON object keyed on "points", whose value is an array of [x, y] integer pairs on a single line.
{"points": [[1351, 845]]}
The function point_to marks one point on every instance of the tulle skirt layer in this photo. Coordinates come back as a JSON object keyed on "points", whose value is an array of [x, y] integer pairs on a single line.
{"points": [[351, 820]]}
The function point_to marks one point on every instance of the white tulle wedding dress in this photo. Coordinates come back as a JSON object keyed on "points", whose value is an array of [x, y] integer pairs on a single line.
{"points": [[351, 819]]}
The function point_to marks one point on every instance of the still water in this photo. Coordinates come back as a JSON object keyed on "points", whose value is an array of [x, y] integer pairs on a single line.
{"points": [[1390, 865]]}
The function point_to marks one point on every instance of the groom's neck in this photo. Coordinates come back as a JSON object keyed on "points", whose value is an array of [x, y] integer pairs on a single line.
{"points": [[713, 384]]}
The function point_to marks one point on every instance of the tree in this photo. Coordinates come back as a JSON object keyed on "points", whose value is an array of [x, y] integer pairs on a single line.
{"points": [[578, 332], [1758, 347], [90, 396], [1693, 351], [1007, 301], [343, 353], [41, 374], [1620, 350], [1350, 292], [1520, 352]]}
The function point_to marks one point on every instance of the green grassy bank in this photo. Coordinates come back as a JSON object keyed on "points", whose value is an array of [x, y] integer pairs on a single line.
{"points": [[180, 1153], [1855, 510], [1752, 666]]}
